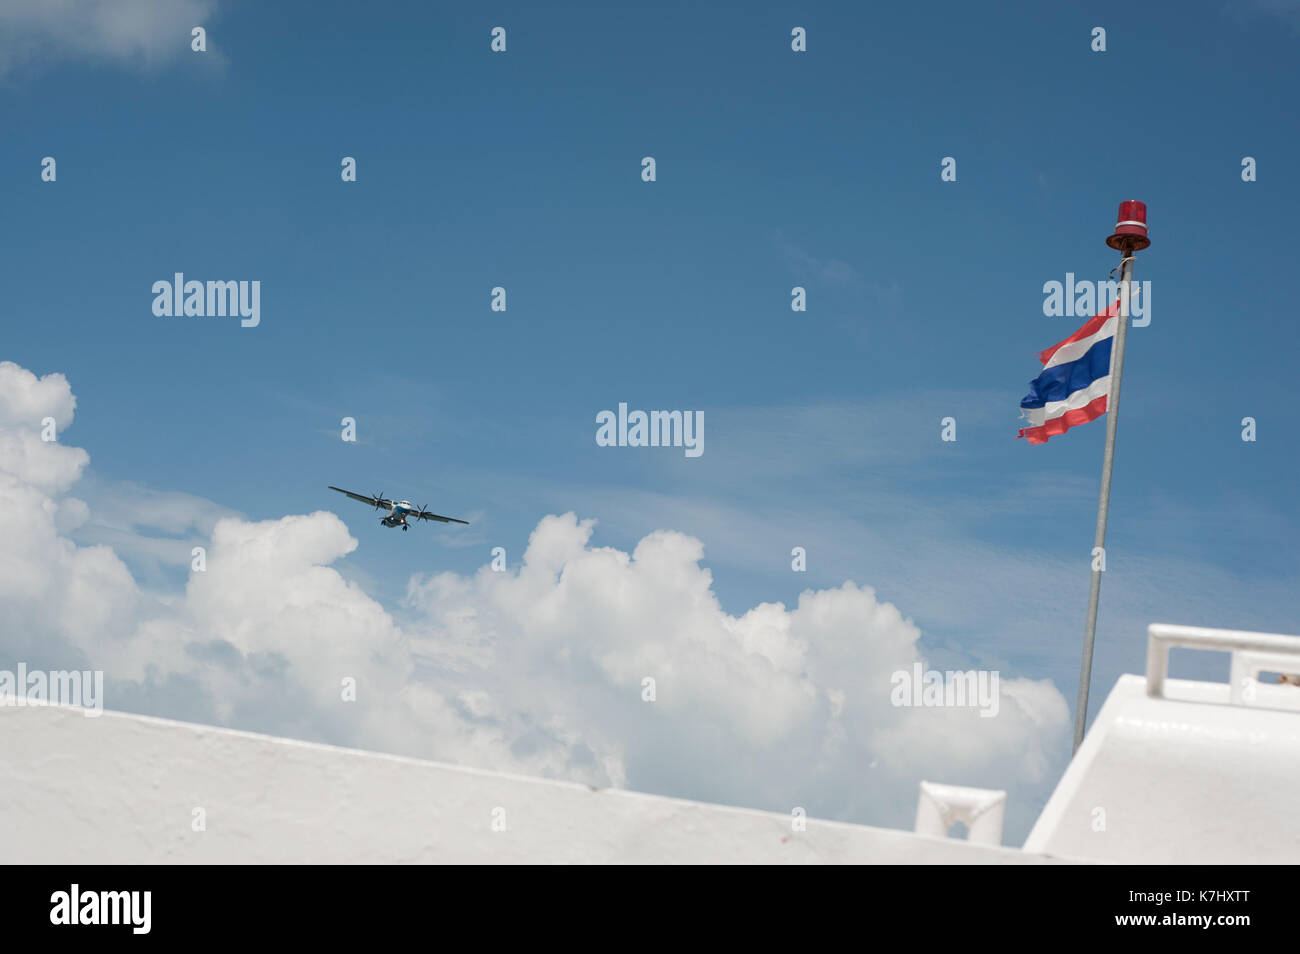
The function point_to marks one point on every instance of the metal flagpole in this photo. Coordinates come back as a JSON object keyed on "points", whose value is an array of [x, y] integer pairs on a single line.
{"points": [[1130, 236]]}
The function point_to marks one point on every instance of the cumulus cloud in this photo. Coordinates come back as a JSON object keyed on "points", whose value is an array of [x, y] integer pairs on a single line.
{"points": [[544, 668], [136, 33], [777, 707]]}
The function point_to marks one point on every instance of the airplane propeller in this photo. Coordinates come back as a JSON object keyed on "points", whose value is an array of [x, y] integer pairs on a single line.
{"points": [[378, 497]]}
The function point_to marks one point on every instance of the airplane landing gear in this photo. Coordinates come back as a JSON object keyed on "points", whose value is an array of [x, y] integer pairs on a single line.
{"points": [[405, 527]]}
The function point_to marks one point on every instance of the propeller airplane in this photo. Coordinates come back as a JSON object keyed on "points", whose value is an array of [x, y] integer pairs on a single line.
{"points": [[398, 510]]}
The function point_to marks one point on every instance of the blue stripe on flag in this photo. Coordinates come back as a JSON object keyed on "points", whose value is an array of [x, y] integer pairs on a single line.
{"points": [[1058, 383]]}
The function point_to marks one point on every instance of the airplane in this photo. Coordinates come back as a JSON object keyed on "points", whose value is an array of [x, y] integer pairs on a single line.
{"points": [[398, 510]]}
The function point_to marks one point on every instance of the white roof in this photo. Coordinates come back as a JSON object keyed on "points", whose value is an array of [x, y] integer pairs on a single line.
{"points": [[123, 789], [1176, 771]]}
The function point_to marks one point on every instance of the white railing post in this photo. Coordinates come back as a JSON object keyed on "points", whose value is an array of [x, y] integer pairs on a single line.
{"points": [[939, 807]]}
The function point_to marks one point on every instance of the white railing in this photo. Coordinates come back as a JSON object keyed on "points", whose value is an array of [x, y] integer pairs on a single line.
{"points": [[1252, 653], [979, 809]]}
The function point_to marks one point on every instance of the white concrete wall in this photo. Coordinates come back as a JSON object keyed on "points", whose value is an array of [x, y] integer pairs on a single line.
{"points": [[122, 789], [1185, 779]]}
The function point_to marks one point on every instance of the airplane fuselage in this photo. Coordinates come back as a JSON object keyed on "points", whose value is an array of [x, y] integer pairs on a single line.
{"points": [[397, 515]]}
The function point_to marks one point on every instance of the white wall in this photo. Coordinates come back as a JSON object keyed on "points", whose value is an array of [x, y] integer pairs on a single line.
{"points": [[122, 789], [1185, 779]]}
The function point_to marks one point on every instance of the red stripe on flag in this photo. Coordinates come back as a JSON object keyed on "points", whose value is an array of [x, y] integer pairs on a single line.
{"points": [[1090, 327], [1059, 425]]}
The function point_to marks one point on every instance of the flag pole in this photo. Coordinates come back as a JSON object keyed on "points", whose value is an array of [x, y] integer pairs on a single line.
{"points": [[1130, 236]]}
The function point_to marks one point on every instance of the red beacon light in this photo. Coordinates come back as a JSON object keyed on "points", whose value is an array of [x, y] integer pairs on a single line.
{"points": [[1131, 229]]}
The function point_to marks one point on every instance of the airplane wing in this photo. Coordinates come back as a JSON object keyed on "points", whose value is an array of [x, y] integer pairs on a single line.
{"points": [[427, 515], [365, 499]]}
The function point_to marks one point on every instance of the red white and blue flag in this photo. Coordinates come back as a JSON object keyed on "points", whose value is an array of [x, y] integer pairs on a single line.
{"points": [[1075, 383]]}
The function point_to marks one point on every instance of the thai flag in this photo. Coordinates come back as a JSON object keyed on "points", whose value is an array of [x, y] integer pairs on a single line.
{"points": [[1075, 382]]}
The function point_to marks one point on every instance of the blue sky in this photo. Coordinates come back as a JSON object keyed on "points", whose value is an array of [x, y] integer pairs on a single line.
{"points": [[774, 169]]}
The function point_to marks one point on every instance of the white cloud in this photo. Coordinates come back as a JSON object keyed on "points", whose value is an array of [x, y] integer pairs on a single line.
{"points": [[137, 33], [538, 669], [130, 507], [25, 399]]}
